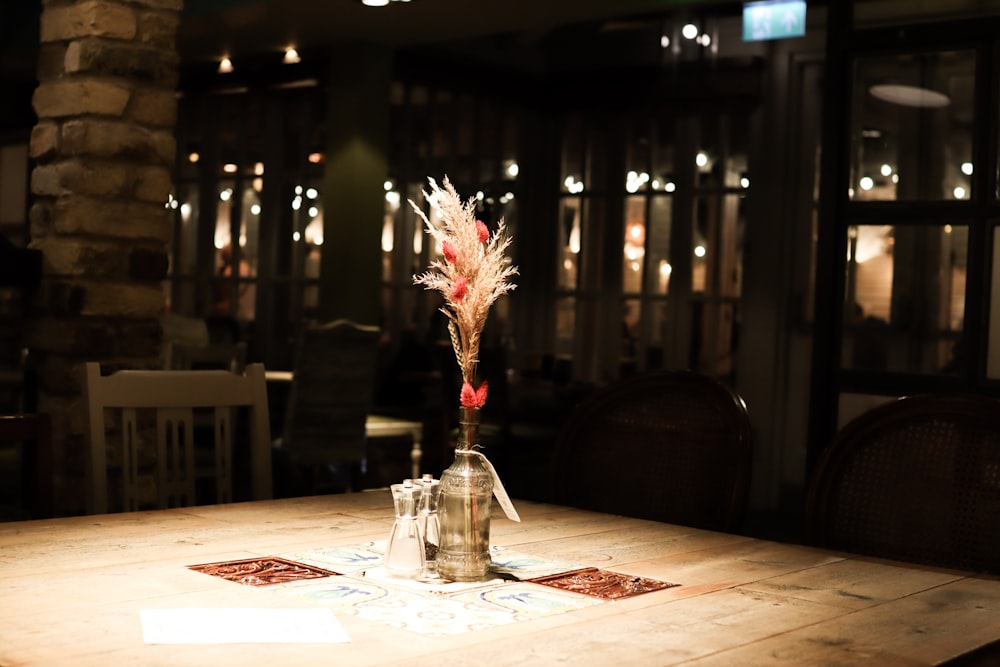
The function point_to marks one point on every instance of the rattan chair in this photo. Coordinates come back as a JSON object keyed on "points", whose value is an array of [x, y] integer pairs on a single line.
{"points": [[672, 446], [916, 479]]}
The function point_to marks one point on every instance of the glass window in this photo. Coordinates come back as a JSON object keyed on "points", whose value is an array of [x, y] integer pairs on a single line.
{"points": [[185, 205], [637, 159], [565, 325], [631, 317], [658, 245], [235, 292], [574, 149], [634, 247], [663, 156], [993, 355], [570, 236], [911, 128], [702, 235], [905, 298]]}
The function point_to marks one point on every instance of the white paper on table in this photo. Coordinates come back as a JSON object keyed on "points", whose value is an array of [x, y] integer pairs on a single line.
{"points": [[241, 626]]}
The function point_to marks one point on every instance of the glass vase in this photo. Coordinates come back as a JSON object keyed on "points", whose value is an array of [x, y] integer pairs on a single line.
{"points": [[465, 496]]}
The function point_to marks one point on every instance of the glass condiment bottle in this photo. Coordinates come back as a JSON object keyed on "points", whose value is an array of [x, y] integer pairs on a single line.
{"points": [[430, 528], [404, 553]]}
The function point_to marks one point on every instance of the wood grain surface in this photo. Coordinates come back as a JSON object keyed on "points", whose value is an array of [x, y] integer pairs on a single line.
{"points": [[71, 590]]}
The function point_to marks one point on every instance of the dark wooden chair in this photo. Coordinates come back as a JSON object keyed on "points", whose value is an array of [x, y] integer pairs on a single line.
{"points": [[916, 479], [671, 446], [332, 392], [32, 435]]}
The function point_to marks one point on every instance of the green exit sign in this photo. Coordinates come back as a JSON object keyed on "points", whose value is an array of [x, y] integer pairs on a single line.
{"points": [[773, 19]]}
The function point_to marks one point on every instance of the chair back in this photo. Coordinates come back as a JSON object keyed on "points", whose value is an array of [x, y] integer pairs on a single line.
{"points": [[671, 446], [225, 356], [31, 433], [915, 479], [332, 392], [173, 397]]}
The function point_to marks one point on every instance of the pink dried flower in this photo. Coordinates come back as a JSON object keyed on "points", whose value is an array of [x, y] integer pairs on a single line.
{"points": [[471, 276], [474, 398], [460, 288]]}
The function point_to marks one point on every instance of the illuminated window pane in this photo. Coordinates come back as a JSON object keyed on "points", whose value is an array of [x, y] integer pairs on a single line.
{"points": [[912, 127], [570, 242], [634, 246], [905, 298], [658, 246]]}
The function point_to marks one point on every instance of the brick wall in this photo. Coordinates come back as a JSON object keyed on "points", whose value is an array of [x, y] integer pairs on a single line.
{"points": [[103, 150]]}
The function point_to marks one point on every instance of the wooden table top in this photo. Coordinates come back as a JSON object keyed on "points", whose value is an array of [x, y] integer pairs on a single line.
{"points": [[71, 591]]}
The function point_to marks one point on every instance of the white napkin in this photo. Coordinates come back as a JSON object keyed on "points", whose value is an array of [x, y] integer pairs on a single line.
{"points": [[241, 626]]}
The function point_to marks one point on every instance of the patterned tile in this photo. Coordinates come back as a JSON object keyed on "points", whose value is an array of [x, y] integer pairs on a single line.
{"points": [[435, 615], [524, 566], [344, 560], [265, 571], [527, 600], [603, 584]]}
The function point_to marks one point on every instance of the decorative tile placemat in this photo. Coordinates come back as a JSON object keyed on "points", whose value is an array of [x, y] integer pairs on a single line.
{"points": [[266, 571], [351, 580], [603, 584]]}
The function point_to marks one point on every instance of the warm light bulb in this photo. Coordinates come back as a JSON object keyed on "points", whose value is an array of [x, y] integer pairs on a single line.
{"points": [[291, 56], [225, 65]]}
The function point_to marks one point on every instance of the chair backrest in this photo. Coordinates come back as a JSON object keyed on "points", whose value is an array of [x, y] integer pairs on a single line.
{"points": [[174, 396], [223, 356], [32, 433], [915, 479], [332, 392], [666, 445]]}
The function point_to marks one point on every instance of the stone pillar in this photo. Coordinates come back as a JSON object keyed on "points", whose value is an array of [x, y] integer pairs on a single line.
{"points": [[103, 149]]}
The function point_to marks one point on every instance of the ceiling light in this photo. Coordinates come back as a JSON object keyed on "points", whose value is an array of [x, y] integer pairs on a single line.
{"points": [[909, 96], [291, 56], [374, 3], [690, 31], [225, 65]]}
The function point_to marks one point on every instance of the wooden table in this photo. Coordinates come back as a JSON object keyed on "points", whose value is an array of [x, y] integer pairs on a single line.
{"points": [[71, 591]]}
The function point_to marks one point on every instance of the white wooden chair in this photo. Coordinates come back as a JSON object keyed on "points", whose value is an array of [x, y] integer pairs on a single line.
{"points": [[174, 396]]}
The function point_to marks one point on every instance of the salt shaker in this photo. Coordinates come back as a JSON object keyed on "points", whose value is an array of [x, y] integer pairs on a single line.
{"points": [[404, 554]]}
